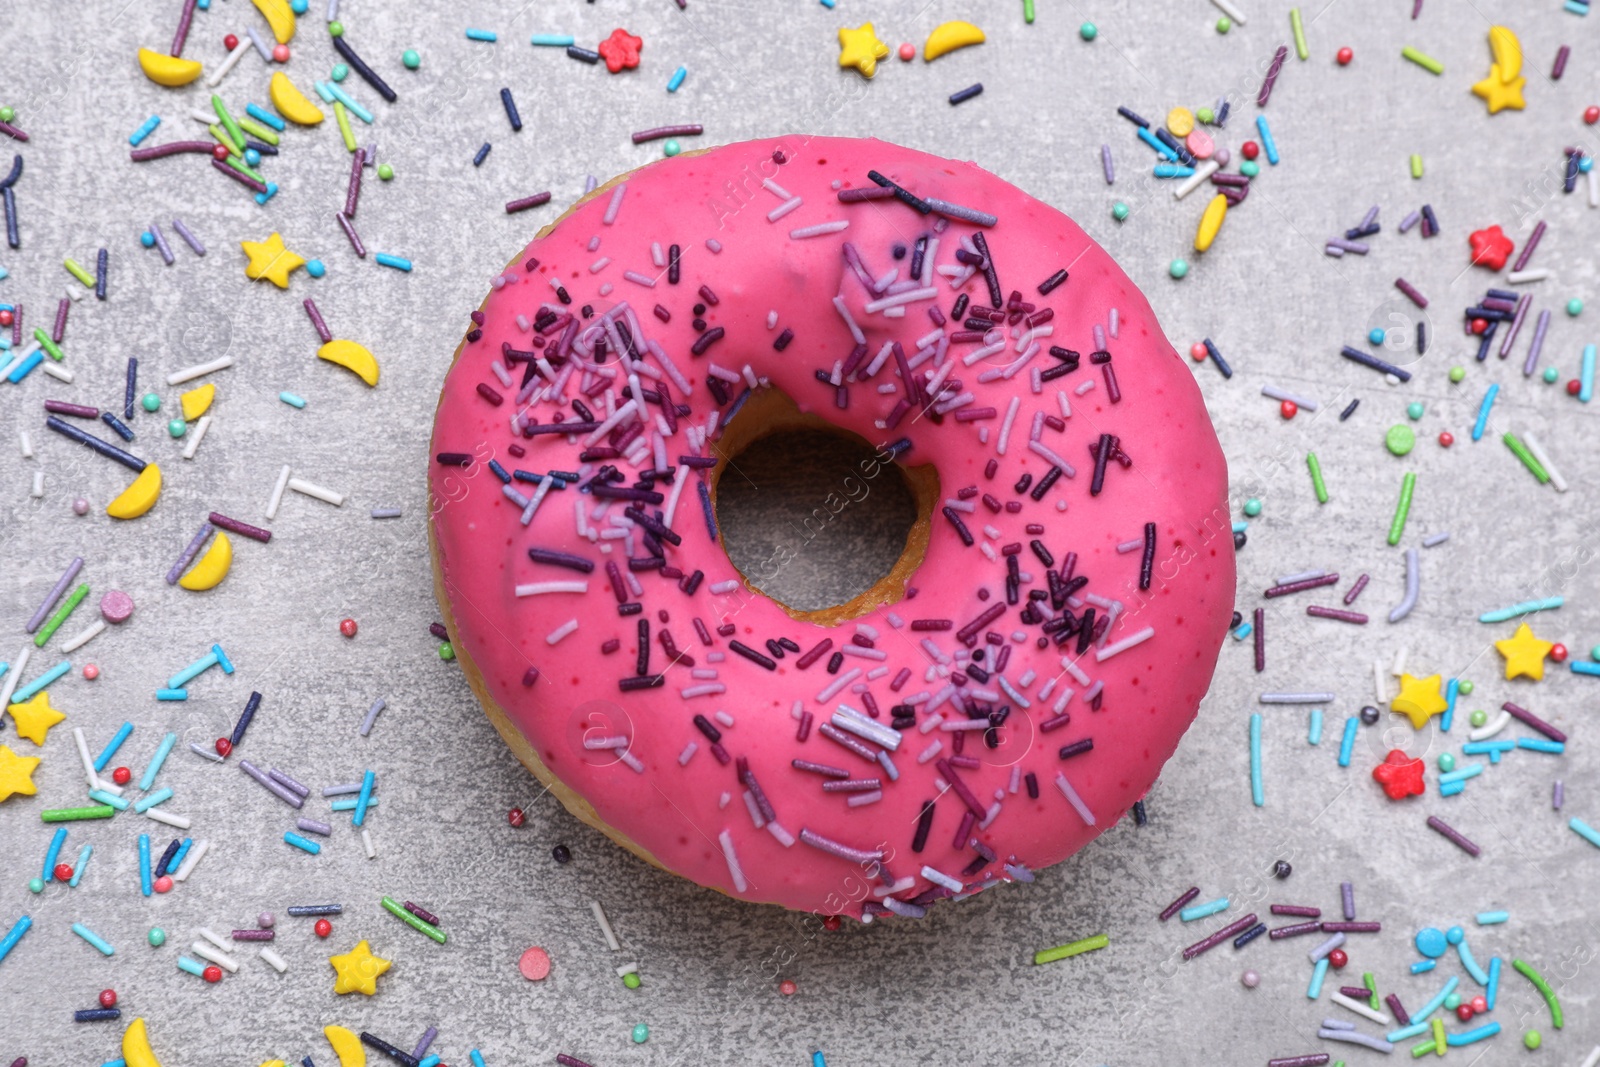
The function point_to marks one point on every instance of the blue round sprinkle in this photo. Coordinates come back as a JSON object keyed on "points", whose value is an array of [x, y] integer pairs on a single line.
{"points": [[1586, 164], [147, 239], [1455, 935], [1431, 942], [316, 269], [252, 157], [1377, 335], [298, 6]]}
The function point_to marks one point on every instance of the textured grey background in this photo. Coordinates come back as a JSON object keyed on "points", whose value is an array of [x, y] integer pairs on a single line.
{"points": [[959, 987]]}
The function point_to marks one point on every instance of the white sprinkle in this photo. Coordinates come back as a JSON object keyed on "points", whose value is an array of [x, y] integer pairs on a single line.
{"points": [[709, 689], [38, 484], [687, 753], [639, 279], [784, 208], [1360, 1009], [940, 878], [195, 438], [199, 370], [27, 444], [1103, 654], [367, 845], [222, 72], [1038, 448], [216, 940], [907, 297], [714, 245], [616, 202], [1274, 393], [207, 951], [1522, 277], [56, 371], [724, 587], [1084, 388], [726, 839], [1230, 10], [277, 493], [819, 229], [848, 718], [1194, 181], [605, 927], [599, 265], [89, 634], [561, 631], [834, 687], [1543, 457], [316, 492], [785, 838], [1005, 425], [775, 189], [181, 822], [849, 320], [1074, 799], [540, 588], [191, 861], [275, 961]]}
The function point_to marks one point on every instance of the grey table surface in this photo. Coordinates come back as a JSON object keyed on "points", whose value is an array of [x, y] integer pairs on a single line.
{"points": [[959, 987]]}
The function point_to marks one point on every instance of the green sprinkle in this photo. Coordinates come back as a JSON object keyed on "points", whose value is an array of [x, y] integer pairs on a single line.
{"points": [[177, 427], [335, 29], [93, 811], [157, 937], [1178, 268], [150, 402], [1574, 306], [1551, 375], [1397, 526], [385, 172], [1205, 115], [1027, 11], [1249, 168], [1465, 689], [340, 72], [446, 652], [48, 630], [1119, 211], [36, 885], [671, 148], [76, 270], [1416, 165], [258, 131], [1075, 948], [411, 58], [641, 1032], [1478, 718], [1299, 30], [1458, 374], [631, 980], [51, 348], [1447, 762], [1544, 989], [1252, 507], [1532, 1039], [343, 118], [393, 907], [1415, 410], [227, 120], [7, 114], [1224, 24], [1400, 439], [1316, 478], [1522, 453], [1088, 31], [1372, 988], [1423, 60]]}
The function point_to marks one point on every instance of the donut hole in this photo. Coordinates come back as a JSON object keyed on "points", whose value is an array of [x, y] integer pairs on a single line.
{"points": [[814, 520]]}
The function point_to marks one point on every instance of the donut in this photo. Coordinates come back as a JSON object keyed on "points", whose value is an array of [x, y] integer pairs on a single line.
{"points": [[1007, 692]]}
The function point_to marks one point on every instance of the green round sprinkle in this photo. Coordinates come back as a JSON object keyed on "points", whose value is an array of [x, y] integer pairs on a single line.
{"points": [[1458, 374], [1399, 440], [446, 652], [1205, 115], [1452, 1002], [671, 148], [1415, 410], [1465, 689], [1447, 762], [1594, 653], [641, 1033], [1178, 268], [385, 172], [1224, 24], [1252, 507], [1574, 308], [1249, 168], [411, 58], [35, 885], [150, 402], [340, 72], [1532, 1039], [336, 29], [1478, 718], [177, 427], [157, 937], [1551, 375], [1088, 31], [7, 114], [1119, 211], [631, 981]]}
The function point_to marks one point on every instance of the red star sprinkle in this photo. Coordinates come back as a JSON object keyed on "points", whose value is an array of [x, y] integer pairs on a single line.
{"points": [[1400, 775], [1490, 248], [621, 52]]}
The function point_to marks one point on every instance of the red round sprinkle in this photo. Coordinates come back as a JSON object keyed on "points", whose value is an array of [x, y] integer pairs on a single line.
{"points": [[5, 318], [1558, 652], [108, 998], [121, 775], [1288, 409], [1591, 114], [908, 52], [1479, 325], [347, 627], [1344, 57], [1197, 352], [63, 872], [515, 817], [323, 928], [1446, 438], [230, 42], [220, 153], [788, 988], [1249, 150], [224, 747], [831, 922], [212, 973], [1338, 958], [1574, 387], [1464, 1011], [1480, 1003], [90, 671], [280, 53], [162, 884]]}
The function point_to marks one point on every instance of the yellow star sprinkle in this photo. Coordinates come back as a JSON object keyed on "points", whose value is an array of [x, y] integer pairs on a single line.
{"points": [[270, 260], [861, 49], [16, 773], [1419, 699], [1524, 654], [35, 718], [1499, 93], [358, 970]]}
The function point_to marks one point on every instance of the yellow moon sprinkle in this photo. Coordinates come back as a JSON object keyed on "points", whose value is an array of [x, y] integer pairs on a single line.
{"points": [[949, 36], [213, 566], [171, 71], [136, 1046], [352, 357], [291, 102], [139, 497], [279, 16], [346, 1045]]}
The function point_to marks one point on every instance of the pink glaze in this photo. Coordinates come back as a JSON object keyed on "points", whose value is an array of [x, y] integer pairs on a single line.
{"points": [[1177, 479]]}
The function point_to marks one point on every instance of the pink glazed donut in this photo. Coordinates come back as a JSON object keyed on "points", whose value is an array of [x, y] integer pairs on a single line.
{"points": [[1014, 684]]}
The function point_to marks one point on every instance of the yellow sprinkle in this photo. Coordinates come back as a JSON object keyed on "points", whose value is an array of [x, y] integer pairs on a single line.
{"points": [[76, 270], [1211, 222], [1299, 33], [1416, 166], [343, 118]]}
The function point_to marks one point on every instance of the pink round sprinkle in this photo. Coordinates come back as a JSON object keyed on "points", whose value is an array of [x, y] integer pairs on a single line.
{"points": [[163, 884], [116, 606], [80, 506], [908, 52], [1199, 142], [535, 964]]}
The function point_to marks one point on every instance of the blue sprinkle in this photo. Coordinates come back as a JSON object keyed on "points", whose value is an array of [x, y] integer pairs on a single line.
{"points": [[316, 268], [292, 400], [553, 40], [144, 131], [397, 262], [482, 35], [683, 72]]}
